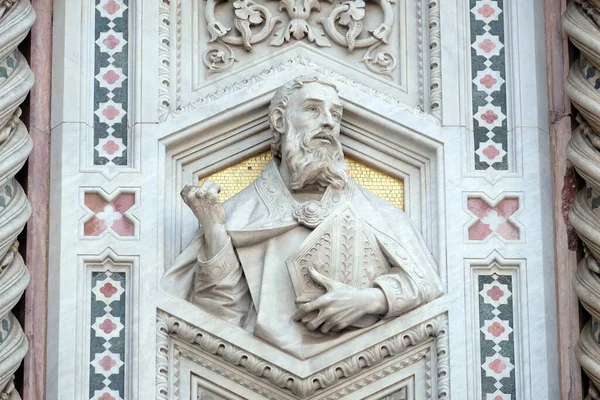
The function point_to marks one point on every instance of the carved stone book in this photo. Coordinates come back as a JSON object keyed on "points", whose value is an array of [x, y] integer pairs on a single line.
{"points": [[344, 248]]}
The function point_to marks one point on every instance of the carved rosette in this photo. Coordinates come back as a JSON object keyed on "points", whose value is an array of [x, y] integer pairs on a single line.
{"points": [[581, 21], [16, 79]]}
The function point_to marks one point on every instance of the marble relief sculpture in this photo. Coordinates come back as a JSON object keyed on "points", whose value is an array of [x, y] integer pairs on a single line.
{"points": [[304, 257]]}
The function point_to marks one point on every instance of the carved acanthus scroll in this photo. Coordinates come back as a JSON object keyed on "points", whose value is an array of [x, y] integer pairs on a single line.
{"points": [[344, 25]]}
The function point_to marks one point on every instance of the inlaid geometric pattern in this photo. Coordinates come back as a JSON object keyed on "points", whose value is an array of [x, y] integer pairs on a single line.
{"points": [[493, 218], [110, 84], [488, 70], [497, 341], [109, 215], [107, 336], [235, 178]]}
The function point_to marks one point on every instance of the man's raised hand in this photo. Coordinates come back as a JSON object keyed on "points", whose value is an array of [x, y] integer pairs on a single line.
{"points": [[206, 206]]}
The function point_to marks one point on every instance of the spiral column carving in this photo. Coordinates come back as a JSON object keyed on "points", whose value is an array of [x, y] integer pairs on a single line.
{"points": [[581, 22], [16, 79]]}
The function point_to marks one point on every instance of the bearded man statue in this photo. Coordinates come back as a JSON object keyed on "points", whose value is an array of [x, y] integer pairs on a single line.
{"points": [[304, 257]]}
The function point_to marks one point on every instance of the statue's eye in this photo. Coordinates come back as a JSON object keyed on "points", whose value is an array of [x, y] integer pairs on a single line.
{"points": [[312, 109], [336, 115]]}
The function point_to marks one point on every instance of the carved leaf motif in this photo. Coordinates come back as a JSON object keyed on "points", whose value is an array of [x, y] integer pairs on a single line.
{"points": [[278, 37], [298, 27], [244, 11], [317, 35], [347, 250], [216, 30], [353, 19], [355, 12], [382, 32]]}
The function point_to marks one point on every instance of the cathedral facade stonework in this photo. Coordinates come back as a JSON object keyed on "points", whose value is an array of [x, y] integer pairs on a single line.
{"points": [[298, 199]]}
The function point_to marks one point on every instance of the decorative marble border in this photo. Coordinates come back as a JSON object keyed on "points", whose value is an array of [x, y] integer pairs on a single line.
{"points": [[108, 313], [276, 379], [497, 321], [111, 92], [497, 341], [489, 98]]}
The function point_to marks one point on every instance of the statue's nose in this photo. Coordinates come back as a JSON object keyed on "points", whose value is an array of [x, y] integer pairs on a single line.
{"points": [[328, 121]]}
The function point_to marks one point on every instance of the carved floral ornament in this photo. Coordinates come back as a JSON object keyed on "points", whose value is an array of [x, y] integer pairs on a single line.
{"points": [[345, 25]]}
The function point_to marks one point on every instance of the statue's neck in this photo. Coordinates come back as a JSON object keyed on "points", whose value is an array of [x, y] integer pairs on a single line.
{"points": [[314, 193]]}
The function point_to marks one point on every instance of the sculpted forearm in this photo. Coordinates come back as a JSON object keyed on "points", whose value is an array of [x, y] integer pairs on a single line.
{"points": [[206, 206], [216, 238]]}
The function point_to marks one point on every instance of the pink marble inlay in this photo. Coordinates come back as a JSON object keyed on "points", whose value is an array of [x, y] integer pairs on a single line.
{"points": [[112, 41], [497, 366], [107, 396], [112, 7], [111, 112], [489, 116], [108, 290], [488, 81], [94, 227], [486, 10], [493, 219], [111, 77], [495, 293], [109, 214], [507, 207], [491, 152], [110, 147], [487, 46], [107, 363], [496, 329], [107, 326]]}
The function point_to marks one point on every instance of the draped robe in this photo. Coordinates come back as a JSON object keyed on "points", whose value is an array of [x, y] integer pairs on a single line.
{"points": [[247, 282]]}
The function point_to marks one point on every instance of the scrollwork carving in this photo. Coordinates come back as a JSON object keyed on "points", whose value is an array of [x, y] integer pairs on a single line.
{"points": [[349, 11], [218, 58], [348, 16], [382, 62], [247, 13]]}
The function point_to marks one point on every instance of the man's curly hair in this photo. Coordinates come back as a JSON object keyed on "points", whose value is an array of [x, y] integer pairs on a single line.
{"points": [[280, 101]]}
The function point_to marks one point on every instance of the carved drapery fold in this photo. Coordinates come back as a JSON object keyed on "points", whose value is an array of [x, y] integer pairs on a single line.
{"points": [[581, 21], [16, 79]]}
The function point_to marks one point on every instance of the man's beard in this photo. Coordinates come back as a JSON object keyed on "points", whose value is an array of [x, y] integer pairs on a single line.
{"points": [[314, 164]]}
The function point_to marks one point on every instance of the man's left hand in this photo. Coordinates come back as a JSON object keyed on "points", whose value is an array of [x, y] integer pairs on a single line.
{"points": [[341, 306]]}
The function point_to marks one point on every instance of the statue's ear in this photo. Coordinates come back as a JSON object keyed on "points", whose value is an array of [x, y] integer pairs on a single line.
{"points": [[277, 120]]}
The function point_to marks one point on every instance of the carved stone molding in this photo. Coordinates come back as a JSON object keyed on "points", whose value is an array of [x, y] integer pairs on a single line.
{"points": [[16, 79], [178, 340], [235, 29], [580, 21]]}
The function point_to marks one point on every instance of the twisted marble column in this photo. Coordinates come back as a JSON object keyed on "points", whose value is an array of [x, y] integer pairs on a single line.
{"points": [[16, 79], [581, 21]]}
